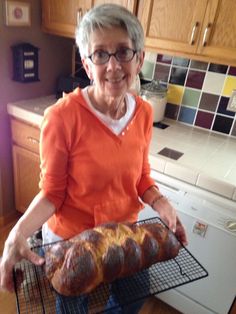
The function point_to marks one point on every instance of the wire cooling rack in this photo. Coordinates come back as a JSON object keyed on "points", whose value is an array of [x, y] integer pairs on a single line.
{"points": [[36, 295]]}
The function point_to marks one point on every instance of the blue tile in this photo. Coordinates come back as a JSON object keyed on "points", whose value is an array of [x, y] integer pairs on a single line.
{"points": [[223, 107], [178, 76], [187, 115], [180, 61], [218, 68]]}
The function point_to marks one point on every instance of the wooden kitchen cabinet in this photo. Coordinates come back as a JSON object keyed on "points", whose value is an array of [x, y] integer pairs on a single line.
{"points": [[199, 29], [60, 17], [26, 161]]}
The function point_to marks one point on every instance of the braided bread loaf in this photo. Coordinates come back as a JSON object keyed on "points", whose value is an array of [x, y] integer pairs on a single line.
{"points": [[105, 253]]}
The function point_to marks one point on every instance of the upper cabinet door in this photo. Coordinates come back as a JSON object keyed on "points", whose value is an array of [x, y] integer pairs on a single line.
{"points": [[173, 25], [218, 36], [60, 17], [129, 4]]}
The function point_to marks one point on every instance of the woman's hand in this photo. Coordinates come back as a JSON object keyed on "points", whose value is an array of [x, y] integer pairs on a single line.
{"points": [[15, 249], [168, 214]]}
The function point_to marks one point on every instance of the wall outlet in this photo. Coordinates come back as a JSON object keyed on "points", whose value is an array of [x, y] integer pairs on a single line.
{"points": [[232, 102]]}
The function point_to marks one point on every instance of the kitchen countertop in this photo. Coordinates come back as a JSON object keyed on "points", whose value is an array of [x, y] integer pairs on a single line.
{"points": [[208, 159]]}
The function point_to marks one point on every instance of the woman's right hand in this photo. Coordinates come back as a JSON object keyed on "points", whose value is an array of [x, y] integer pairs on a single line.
{"points": [[16, 248]]}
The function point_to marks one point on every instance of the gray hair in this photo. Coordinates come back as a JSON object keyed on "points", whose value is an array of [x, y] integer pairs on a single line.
{"points": [[108, 16]]}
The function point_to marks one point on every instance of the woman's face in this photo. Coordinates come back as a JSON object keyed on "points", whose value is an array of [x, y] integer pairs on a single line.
{"points": [[114, 78]]}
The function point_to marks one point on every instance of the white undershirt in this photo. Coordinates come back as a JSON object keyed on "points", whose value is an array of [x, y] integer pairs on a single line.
{"points": [[115, 125]]}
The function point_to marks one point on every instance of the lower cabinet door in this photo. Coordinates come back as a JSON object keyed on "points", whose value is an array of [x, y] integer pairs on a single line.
{"points": [[26, 176]]}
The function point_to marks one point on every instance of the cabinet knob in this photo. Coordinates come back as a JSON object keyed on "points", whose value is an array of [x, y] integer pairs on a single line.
{"points": [[32, 140], [206, 35], [193, 34]]}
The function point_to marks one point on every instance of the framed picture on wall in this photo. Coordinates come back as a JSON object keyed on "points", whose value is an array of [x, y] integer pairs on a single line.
{"points": [[17, 13]]}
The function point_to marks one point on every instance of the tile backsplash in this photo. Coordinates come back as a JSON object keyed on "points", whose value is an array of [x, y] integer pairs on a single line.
{"points": [[198, 92]]}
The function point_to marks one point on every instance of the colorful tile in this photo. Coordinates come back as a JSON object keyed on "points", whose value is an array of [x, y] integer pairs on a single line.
{"points": [[180, 62], [222, 124], [195, 79], [222, 108], [172, 111], [175, 94], [234, 129], [209, 102], [191, 97], [162, 72], [164, 59], [230, 84], [204, 119], [218, 68], [147, 70], [178, 75], [186, 115], [232, 71], [213, 83], [198, 65]]}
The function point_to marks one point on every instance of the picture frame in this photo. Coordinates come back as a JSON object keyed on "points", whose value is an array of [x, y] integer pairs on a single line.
{"points": [[17, 13]]}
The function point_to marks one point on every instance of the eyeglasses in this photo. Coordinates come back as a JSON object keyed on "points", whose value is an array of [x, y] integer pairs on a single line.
{"points": [[100, 57]]}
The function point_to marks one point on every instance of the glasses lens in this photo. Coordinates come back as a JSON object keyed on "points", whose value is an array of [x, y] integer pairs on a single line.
{"points": [[125, 54], [100, 57]]}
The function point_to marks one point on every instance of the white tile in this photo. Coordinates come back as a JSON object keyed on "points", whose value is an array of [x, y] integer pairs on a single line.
{"points": [[215, 185], [181, 172], [213, 83]]}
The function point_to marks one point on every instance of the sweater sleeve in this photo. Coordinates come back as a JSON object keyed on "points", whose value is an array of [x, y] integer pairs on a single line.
{"points": [[54, 157], [146, 181]]}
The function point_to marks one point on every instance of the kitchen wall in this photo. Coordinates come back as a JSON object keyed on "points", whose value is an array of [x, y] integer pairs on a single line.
{"points": [[54, 60], [198, 92]]}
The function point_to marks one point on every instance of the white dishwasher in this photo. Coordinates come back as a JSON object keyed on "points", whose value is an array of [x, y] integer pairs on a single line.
{"points": [[210, 221]]}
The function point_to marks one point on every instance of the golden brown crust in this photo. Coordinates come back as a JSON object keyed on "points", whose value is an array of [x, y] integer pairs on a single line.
{"points": [[105, 253]]}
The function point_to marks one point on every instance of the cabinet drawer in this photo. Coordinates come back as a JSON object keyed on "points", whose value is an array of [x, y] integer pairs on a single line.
{"points": [[25, 135]]}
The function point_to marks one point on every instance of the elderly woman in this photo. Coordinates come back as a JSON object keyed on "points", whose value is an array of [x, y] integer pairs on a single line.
{"points": [[94, 146]]}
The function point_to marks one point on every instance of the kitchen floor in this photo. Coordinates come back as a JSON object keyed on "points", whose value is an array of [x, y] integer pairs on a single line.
{"points": [[8, 303]]}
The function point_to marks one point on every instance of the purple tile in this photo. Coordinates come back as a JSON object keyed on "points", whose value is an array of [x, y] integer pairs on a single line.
{"points": [[222, 124], [162, 72], [204, 119], [223, 107], [209, 102], [171, 111], [218, 68], [195, 79], [164, 59], [178, 76], [232, 71]]}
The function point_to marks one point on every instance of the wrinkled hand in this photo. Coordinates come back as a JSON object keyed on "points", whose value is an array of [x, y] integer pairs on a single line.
{"points": [[166, 212], [169, 216], [181, 232], [15, 249]]}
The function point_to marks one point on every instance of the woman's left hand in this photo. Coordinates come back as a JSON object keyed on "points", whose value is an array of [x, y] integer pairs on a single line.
{"points": [[168, 214]]}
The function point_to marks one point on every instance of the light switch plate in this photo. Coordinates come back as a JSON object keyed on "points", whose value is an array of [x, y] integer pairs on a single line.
{"points": [[232, 102]]}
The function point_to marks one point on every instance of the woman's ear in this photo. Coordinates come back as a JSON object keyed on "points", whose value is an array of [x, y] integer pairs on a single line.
{"points": [[140, 60], [87, 66]]}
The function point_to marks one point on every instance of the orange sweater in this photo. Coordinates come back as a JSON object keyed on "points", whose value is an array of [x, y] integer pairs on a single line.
{"points": [[90, 174]]}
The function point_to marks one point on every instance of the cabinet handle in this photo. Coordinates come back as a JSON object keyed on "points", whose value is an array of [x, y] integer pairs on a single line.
{"points": [[32, 140], [192, 40], [79, 15], [206, 35]]}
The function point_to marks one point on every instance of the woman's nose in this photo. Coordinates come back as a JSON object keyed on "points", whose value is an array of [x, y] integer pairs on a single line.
{"points": [[113, 63]]}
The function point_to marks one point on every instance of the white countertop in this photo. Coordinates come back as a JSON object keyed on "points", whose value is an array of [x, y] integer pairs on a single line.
{"points": [[208, 160]]}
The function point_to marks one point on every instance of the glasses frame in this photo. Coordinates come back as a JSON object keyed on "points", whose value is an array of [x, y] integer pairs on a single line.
{"points": [[113, 54]]}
